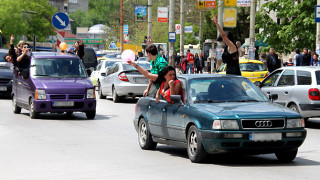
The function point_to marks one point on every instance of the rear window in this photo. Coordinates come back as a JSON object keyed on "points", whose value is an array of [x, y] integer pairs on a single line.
{"points": [[128, 67], [2, 57], [110, 63], [252, 67], [318, 77], [304, 77]]}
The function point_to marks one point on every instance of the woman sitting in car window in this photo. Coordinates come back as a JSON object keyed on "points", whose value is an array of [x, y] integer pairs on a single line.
{"points": [[169, 84]]}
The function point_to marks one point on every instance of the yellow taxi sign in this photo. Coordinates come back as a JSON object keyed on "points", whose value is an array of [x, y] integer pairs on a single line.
{"points": [[206, 4]]}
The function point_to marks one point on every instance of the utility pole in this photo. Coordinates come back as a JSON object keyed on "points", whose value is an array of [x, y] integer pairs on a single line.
{"points": [[121, 26], [150, 18], [252, 28], [318, 34], [200, 28], [181, 27], [220, 15], [171, 29]]}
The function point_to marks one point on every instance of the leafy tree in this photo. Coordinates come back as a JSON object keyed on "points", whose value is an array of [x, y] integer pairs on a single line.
{"points": [[295, 27], [30, 18]]}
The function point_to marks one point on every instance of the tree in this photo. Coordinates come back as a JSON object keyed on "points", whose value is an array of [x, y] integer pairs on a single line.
{"points": [[294, 28], [30, 18]]}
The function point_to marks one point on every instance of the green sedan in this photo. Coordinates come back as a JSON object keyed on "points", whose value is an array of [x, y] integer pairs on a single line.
{"points": [[220, 113]]}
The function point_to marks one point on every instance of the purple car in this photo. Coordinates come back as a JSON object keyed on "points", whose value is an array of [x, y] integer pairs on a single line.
{"points": [[54, 83]]}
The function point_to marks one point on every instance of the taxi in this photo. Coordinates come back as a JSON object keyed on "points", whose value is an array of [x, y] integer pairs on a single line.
{"points": [[254, 70]]}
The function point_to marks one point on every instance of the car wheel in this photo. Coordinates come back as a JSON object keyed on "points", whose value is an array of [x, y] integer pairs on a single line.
{"points": [[294, 107], [196, 151], [33, 114], [115, 97], [287, 155], [91, 114], [16, 109], [101, 96], [144, 136]]}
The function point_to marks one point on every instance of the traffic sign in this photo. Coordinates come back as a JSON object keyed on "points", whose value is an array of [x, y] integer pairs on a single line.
{"points": [[172, 37], [317, 14], [100, 46], [178, 28], [149, 40], [112, 45], [60, 20], [125, 29]]}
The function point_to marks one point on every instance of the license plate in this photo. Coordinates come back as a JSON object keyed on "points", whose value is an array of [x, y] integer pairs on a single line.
{"points": [[265, 137], [141, 80], [63, 103], [3, 88]]}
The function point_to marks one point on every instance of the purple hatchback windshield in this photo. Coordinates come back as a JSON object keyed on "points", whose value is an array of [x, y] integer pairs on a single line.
{"points": [[60, 68]]}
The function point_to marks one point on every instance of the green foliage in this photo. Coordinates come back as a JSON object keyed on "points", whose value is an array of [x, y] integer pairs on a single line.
{"points": [[296, 29], [209, 29], [29, 18]]}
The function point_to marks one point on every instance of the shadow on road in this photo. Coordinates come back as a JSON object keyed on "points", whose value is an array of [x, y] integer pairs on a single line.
{"points": [[239, 160], [313, 123], [125, 100], [73, 117]]}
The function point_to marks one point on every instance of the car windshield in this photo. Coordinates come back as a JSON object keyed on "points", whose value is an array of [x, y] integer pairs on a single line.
{"points": [[127, 67], [224, 89], [109, 63], [252, 67], [64, 68]]}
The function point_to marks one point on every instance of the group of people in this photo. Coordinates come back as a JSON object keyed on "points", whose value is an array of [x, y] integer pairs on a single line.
{"points": [[189, 64]]}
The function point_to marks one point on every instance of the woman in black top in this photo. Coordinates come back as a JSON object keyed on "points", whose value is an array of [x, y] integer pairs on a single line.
{"points": [[230, 54]]}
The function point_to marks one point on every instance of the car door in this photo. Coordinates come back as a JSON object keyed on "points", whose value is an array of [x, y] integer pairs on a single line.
{"points": [[106, 81], [113, 78], [174, 118], [268, 85], [157, 118], [284, 86]]}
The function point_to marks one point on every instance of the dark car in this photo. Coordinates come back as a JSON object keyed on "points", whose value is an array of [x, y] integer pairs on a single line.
{"points": [[90, 59], [54, 83], [220, 113], [6, 76]]}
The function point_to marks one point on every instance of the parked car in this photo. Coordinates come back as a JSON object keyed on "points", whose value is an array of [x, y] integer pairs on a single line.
{"points": [[123, 80], [101, 69], [297, 88], [54, 83], [254, 70], [90, 59], [6, 78], [219, 113], [142, 59]]}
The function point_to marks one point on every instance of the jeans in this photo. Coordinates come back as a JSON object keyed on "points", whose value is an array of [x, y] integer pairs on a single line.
{"points": [[189, 66]]}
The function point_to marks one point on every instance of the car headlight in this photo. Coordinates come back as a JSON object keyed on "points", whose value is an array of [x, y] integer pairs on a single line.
{"points": [[40, 94], [225, 124], [91, 94], [295, 123]]}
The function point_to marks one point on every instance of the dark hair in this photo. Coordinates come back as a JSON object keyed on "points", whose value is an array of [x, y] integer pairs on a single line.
{"points": [[4, 57], [315, 54], [188, 50], [297, 50], [230, 37], [164, 72], [152, 49]]}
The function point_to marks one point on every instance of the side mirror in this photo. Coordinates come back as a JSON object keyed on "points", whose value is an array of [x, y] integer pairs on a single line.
{"points": [[257, 83], [88, 72], [175, 98], [273, 97], [25, 73]]}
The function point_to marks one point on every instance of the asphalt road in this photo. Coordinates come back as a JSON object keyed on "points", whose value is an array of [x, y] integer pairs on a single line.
{"points": [[60, 147]]}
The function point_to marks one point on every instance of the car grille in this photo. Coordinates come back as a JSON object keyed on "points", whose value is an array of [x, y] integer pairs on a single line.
{"points": [[4, 81], [63, 96], [262, 123], [76, 96], [77, 105]]}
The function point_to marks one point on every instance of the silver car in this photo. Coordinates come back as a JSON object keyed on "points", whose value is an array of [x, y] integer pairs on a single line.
{"points": [[296, 87], [101, 69], [122, 80]]}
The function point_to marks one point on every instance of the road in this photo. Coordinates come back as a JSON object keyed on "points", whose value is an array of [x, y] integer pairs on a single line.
{"points": [[61, 147]]}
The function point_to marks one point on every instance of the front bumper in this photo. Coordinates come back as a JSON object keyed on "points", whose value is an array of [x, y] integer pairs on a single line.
{"points": [[85, 105], [221, 141], [5, 90]]}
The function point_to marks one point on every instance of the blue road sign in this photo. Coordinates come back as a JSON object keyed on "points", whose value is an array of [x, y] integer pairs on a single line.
{"points": [[60, 20], [172, 36], [100, 46], [317, 13], [112, 45]]}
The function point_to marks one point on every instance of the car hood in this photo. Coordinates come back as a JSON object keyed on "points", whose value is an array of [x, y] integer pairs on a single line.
{"points": [[246, 110], [63, 86]]}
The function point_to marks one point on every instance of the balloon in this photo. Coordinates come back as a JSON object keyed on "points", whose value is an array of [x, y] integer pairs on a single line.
{"points": [[128, 55], [63, 46]]}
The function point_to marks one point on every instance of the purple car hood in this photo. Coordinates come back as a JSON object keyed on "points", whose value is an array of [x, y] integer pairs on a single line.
{"points": [[63, 86]]}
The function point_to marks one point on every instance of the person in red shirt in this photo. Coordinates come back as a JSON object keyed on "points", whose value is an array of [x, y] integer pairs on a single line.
{"points": [[190, 59]]}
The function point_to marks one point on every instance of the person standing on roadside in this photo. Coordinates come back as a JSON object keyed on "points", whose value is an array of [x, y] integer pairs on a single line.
{"points": [[157, 64], [190, 62], [230, 54], [298, 58], [306, 57], [273, 62]]}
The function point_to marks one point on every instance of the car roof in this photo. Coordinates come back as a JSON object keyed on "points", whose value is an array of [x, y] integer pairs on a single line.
{"points": [[52, 55], [310, 68], [249, 61], [200, 76]]}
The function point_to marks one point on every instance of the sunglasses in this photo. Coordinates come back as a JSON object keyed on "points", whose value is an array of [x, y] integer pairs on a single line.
{"points": [[25, 46]]}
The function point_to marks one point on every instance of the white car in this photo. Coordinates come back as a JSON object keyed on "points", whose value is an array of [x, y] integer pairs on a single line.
{"points": [[101, 68]]}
